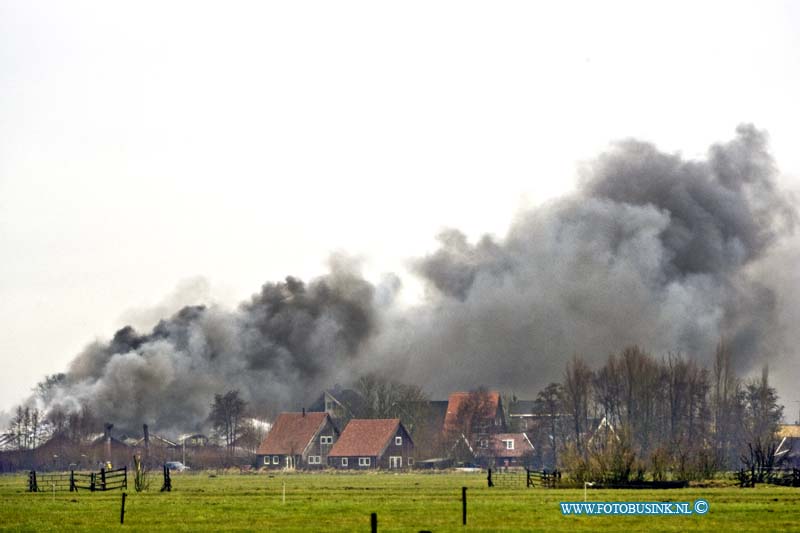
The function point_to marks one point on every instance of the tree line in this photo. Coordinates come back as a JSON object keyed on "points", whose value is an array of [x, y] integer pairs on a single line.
{"points": [[638, 414]]}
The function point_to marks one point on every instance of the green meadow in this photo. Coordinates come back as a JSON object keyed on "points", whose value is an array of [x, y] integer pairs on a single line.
{"points": [[403, 502]]}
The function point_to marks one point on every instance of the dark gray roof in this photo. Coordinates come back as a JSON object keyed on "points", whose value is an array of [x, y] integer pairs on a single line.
{"points": [[521, 407], [348, 398]]}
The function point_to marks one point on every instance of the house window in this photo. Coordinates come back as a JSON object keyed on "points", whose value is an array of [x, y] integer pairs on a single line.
{"points": [[410, 461], [326, 439], [484, 443], [363, 461], [344, 461], [509, 444], [266, 459], [314, 460], [274, 459], [398, 441]]}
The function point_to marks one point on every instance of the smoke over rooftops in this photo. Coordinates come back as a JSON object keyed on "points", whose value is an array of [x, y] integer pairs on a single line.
{"points": [[652, 249]]}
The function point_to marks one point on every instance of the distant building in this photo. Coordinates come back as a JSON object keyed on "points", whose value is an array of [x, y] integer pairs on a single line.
{"points": [[789, 445], [520, 414], [298, 440], [342, 405], [370, 444], [506, 449]]}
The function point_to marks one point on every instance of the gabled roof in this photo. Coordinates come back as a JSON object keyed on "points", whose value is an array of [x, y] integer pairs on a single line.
{"points": [[156, 440], [457, 399], [522, 445], [291, 433], [352, 402], [367, 438]]}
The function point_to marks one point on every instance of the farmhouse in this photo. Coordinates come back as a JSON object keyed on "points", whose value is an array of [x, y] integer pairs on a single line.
{"points": [[378, 443], [298, 440], [506, 449]]}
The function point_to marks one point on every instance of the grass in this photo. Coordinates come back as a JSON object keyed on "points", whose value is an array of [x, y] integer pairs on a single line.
{"points": [[403, 502]]}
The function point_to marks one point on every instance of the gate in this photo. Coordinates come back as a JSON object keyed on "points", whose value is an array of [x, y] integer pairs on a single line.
{"points": [[92, 481], [519, 478]]}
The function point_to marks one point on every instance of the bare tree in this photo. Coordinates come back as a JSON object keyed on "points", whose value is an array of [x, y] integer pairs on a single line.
{"points": [[227, 416], [577, 390], [550, 404]]}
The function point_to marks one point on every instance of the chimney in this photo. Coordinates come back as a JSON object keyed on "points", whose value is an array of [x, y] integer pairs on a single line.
{"points": [[304, 412], [146, 436], [107, 435]]}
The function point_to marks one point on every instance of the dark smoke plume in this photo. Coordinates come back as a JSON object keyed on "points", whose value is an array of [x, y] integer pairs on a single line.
{"points": [[277, 348], [652, 249]]}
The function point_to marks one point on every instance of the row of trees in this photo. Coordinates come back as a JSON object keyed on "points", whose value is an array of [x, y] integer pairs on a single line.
{"points": [[638, 414]]}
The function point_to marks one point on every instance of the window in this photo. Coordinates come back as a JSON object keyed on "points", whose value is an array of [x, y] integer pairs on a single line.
{"points": [[509, 444], [395, 462], [363, 461], [344, 461], [274, 459], [398, 441], [314, 460], [326, 439], [484, 443], [410, 461], [266, 459]]}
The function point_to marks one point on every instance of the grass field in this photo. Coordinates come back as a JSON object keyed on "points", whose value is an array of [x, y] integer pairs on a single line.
{"points": [[403, 502]]}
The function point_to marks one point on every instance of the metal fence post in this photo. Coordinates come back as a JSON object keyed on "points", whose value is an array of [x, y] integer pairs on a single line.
{"points": [[464, 506]]}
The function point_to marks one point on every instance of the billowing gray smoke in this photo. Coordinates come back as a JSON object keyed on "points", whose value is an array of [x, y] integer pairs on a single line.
{"points": [[279, 347], [652, 249]]}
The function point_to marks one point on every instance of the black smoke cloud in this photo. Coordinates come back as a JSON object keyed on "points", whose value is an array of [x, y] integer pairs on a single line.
{"points": [[279, 347], [651, 249]]}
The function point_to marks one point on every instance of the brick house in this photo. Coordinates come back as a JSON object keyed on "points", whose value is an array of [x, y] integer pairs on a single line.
{"points": [[365, 444], [505, 449], [298, 440]]}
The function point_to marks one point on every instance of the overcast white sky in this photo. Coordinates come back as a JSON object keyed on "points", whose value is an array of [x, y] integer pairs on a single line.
{"points": [[145, 144]]}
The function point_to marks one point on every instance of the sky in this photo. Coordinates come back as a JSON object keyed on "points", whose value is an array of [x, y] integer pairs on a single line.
{"points": [[157, 154]]}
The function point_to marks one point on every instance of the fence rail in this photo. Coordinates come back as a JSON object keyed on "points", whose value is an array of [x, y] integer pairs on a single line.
{"points": [[523, 478], [92, 481], [785, 477]]}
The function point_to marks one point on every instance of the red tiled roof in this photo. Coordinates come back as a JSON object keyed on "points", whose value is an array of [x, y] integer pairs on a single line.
{"points": [[455, 401], [366, 438], [521, 445], [291, 433]]}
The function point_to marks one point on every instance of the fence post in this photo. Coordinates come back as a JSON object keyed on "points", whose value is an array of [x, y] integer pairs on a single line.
{"points": [[373, 521], [72, 481], [122, 509], [489, 478], [92, 481], [464, 506], [103, 478], [125, 479]]}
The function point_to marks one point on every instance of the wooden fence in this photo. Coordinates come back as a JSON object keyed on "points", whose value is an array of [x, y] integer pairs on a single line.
{"points": [[92, 481], [786, 478], [519, 478]]}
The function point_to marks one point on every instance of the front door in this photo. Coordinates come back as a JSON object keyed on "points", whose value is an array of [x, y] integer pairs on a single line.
{"points": [[395, 462]]}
